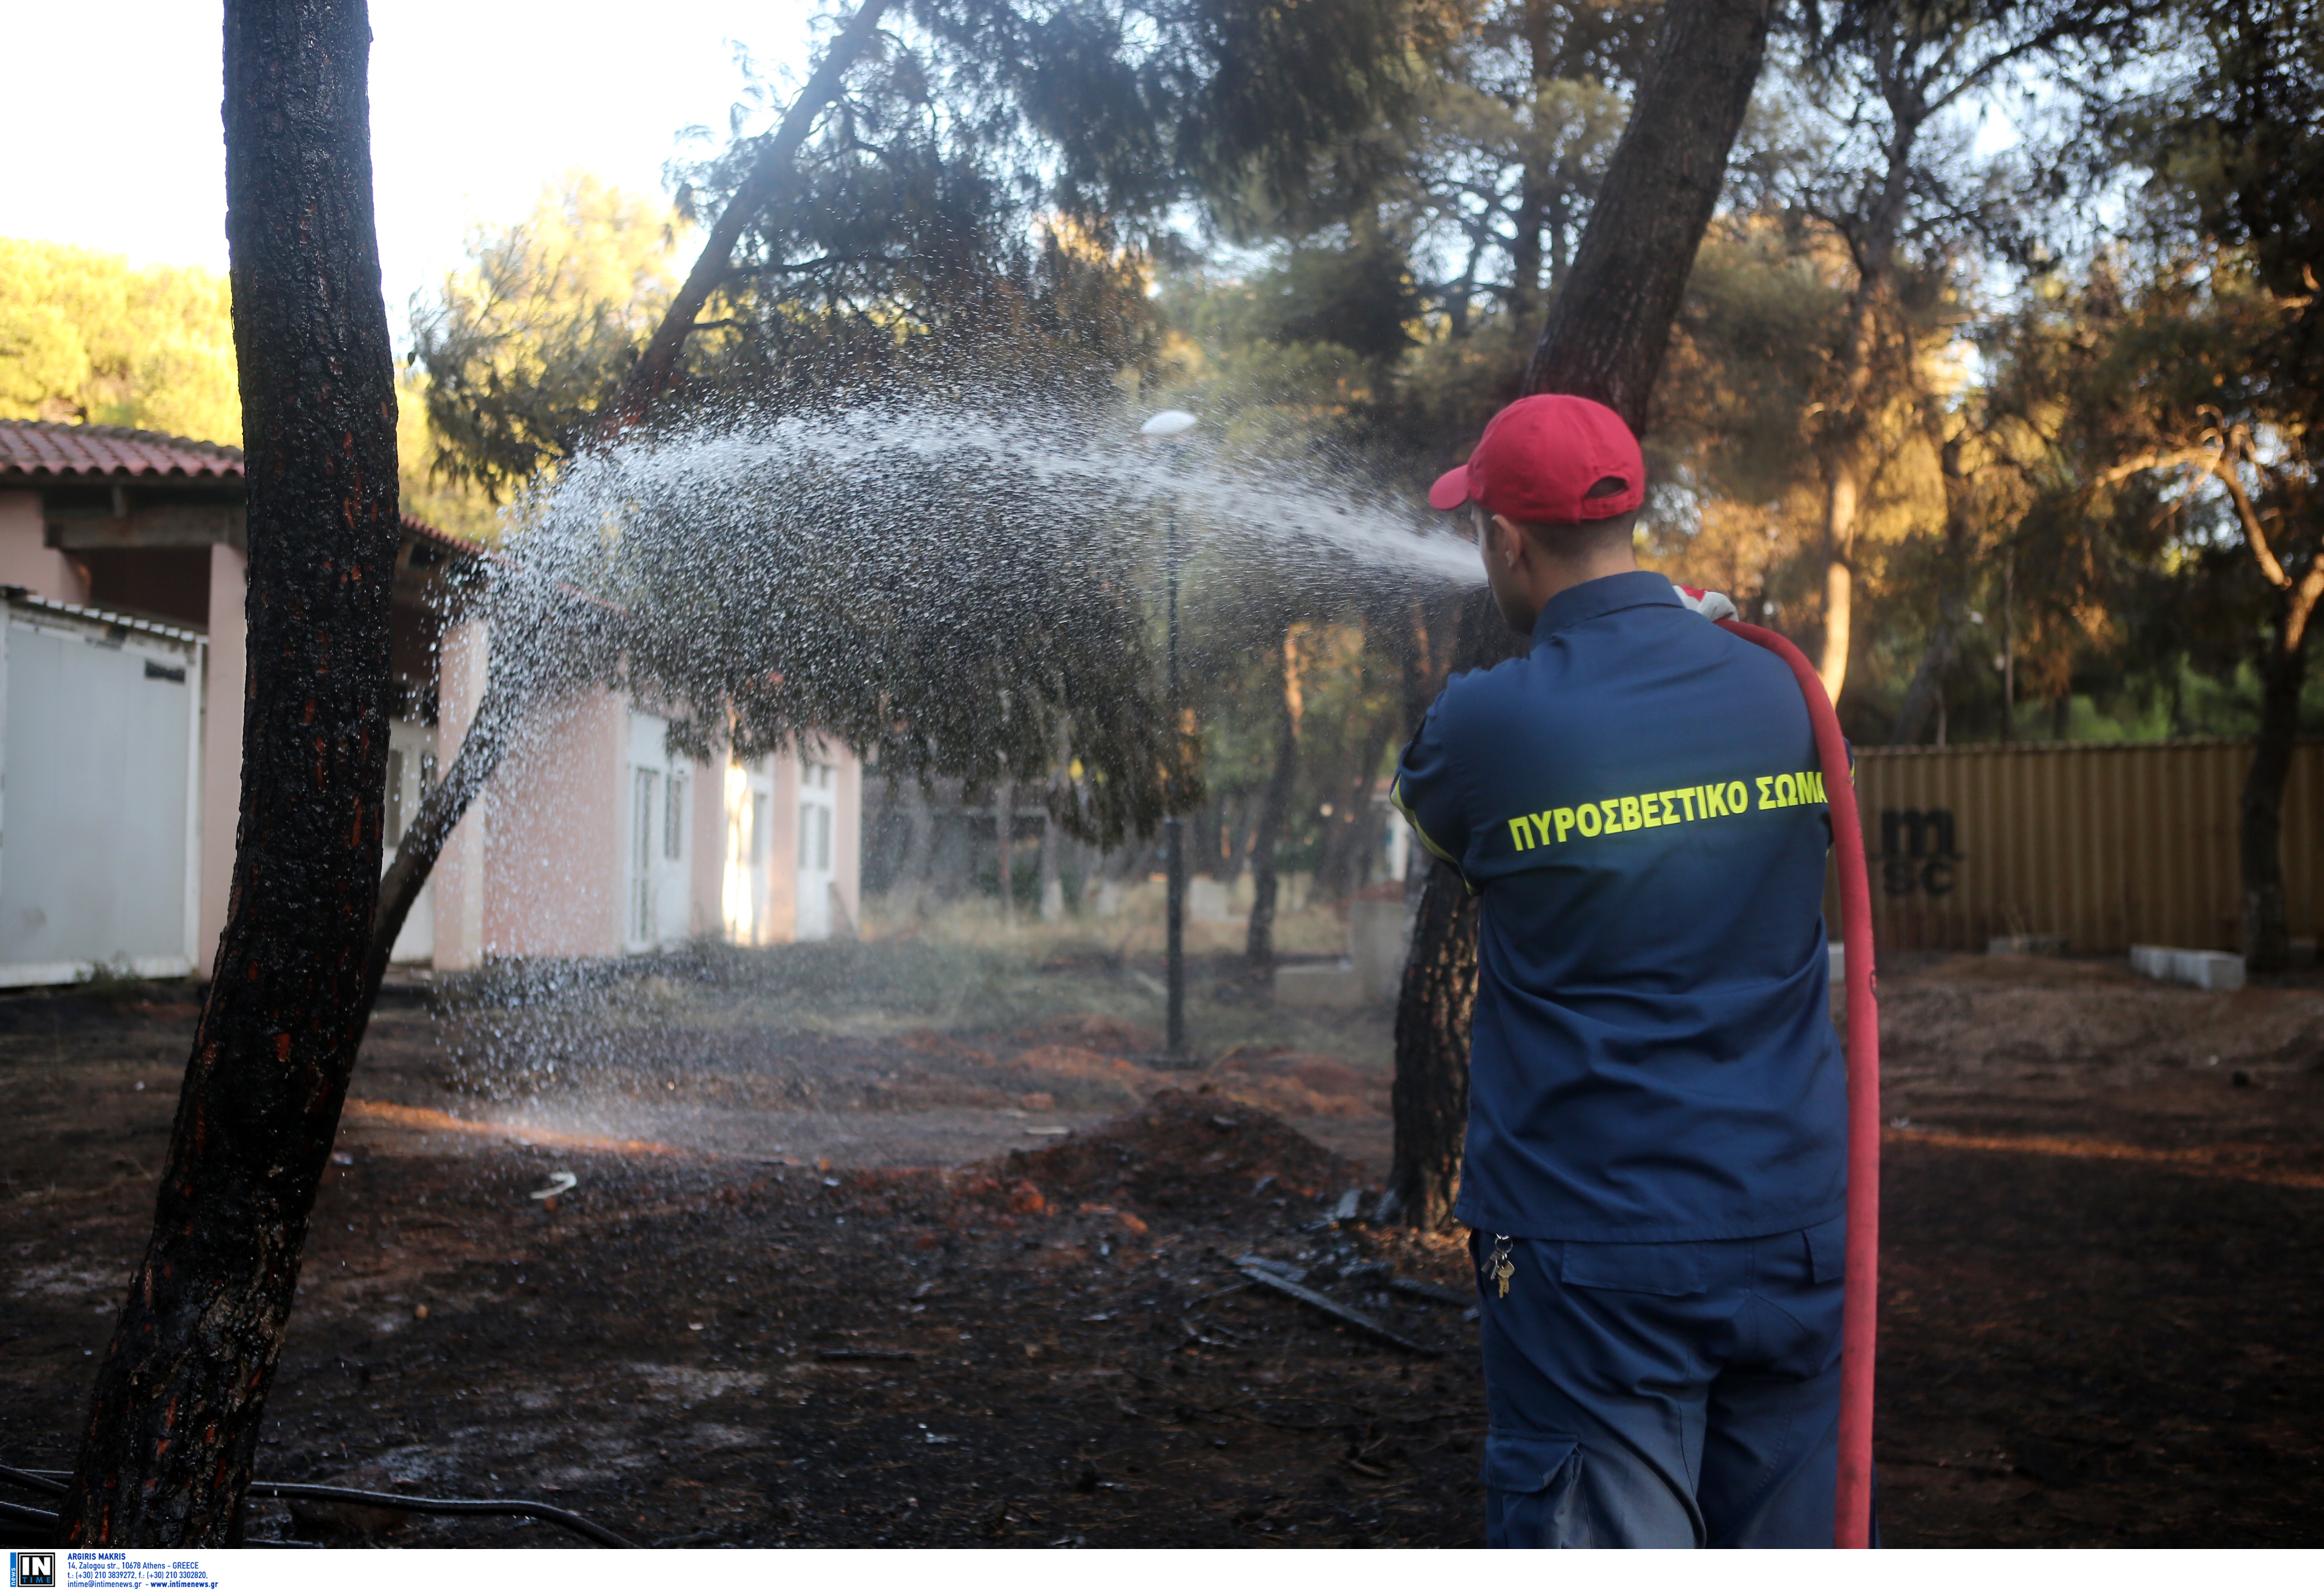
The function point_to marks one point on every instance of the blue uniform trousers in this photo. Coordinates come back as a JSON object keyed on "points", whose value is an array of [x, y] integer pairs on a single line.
{"points": [[1662, 1395]]}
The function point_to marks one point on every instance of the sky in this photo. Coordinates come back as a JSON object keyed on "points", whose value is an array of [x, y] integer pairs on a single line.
{"points": [[475, 105]]}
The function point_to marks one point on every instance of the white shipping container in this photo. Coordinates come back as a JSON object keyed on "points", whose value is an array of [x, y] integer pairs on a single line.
{"points": [[100, 738]]}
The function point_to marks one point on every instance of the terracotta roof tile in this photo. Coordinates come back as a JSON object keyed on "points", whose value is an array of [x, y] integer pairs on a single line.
{"points": [[41, 450], [459, 545]]}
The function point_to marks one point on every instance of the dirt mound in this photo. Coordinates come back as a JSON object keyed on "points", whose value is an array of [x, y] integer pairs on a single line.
{"points": [[1295, 1083], [1184, 1154], [1115, 1080]]}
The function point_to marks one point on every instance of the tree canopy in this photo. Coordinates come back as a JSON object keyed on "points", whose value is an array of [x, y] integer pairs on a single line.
{"points": [[513, 354], [87, 337], [1914, 373]]}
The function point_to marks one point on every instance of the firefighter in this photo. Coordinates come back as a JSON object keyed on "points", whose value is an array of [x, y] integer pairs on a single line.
{"points": [[1655, 1173]]}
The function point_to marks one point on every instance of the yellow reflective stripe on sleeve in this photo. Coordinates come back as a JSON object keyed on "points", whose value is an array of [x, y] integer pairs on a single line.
{"points": [[1396, 799]]}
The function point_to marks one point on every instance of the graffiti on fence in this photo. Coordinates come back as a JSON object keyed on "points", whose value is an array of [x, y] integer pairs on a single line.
{"points": [[1917, 850]]}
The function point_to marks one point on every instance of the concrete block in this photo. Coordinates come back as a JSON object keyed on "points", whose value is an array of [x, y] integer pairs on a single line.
{"points": [[2026, 946], [1209, 901], [1379, 927], [1318, 983], [2204, 970]]}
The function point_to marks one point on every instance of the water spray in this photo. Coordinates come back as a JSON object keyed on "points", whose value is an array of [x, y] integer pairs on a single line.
{"points": [[972, 587], [780, 494]]}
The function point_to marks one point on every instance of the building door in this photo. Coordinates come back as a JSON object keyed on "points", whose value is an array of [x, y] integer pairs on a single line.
{"points": [[659, 908], [645, 791], [818, 804], [750, 818]]}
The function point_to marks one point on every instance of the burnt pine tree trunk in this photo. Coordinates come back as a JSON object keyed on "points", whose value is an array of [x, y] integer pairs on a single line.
{"points": [[1051, 889], [1274, 812], [1429, 1098], [1609, 328], [174, 1417]]}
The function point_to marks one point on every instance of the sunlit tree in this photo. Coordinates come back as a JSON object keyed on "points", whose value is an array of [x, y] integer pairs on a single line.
{"points": [[86, 337]]}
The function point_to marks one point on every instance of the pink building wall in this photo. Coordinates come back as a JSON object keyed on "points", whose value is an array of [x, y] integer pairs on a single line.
{"points": [[554, 833], [539, 867], [781, 918], [25, 557], [782, 907]]}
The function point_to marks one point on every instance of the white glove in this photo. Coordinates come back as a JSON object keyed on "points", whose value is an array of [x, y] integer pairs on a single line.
{"points": [[1713, 605]]}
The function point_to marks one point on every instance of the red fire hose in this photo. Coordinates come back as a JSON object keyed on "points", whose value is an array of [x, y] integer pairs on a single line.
{"points": [[1853, 1524]]}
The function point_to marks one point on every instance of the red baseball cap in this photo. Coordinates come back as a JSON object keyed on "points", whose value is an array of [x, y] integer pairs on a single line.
{"points": [[1540, 456]]}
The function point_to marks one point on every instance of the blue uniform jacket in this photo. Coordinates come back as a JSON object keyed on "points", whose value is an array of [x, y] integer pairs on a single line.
{"points": [[1638, 805]]}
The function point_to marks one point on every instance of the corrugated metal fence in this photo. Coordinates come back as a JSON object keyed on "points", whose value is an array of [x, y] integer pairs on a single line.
{"points": [[2106, 843]]}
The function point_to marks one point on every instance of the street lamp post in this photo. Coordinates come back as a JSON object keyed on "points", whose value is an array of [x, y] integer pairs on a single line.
{"points": [[1166, 427]]}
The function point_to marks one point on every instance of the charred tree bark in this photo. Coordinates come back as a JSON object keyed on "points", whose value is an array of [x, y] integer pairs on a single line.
{"points": [[1417, 671], [174, 1417], [1609, 328], [1429, 1098], [1439, 988], [1928, 683], [1274, 811]]}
